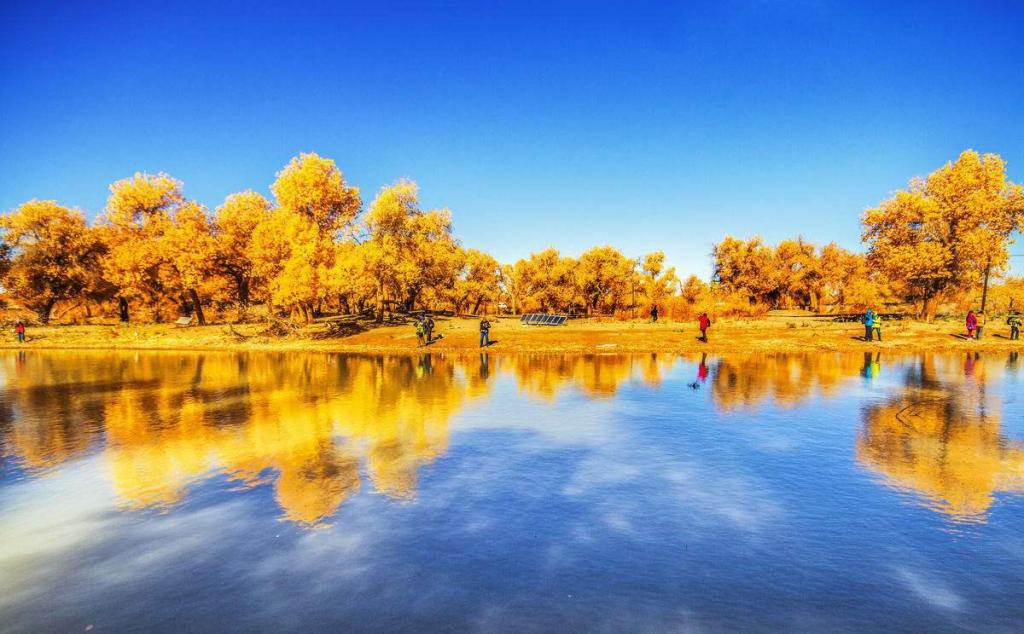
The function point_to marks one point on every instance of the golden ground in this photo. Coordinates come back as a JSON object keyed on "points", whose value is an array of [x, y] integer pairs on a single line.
{"points": [[778, 333]]}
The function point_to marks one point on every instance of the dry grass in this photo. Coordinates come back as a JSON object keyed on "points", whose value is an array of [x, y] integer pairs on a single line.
{"points": [[781, 333]]}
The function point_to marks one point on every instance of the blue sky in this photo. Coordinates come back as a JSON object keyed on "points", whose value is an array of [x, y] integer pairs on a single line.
{"points": [[564, 124]]}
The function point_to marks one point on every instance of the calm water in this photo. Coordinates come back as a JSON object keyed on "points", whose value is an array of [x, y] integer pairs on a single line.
{"points": [[204, 492]]}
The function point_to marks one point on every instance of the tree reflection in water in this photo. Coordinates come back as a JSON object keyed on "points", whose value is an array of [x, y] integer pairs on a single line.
{"points": [[318, 427], [941, 438]]}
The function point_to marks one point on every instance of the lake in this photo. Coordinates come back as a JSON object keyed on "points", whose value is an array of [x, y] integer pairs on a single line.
{"points": [[157, 491]]}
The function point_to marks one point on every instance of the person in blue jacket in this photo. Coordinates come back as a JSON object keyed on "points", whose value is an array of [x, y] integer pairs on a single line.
{"points": [[869, 323]]}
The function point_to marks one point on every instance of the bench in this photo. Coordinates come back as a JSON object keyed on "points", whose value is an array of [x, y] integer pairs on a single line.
{"points": [[183, 321], [542, 319], [858, 317]]}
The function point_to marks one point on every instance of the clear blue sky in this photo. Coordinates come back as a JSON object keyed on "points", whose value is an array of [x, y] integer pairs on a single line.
{"points": [[538, 124]]}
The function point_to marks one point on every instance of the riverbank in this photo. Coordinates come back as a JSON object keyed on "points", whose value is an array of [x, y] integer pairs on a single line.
{"points": [[773, 334]]}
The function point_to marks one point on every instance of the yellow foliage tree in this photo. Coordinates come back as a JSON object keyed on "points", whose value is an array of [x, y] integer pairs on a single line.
{"points": [[234, 224], [137, 215], [659, 283], [286, 263], [478, 282], [747, 266], [53, 255], [799, 273], [605, 279], [694, 289], [189, 250], [946, 232], [408, 250], [545, 281], [314, 205]]}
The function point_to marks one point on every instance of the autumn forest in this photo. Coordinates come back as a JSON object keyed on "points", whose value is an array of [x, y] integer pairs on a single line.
{"points": [[317, 248]]}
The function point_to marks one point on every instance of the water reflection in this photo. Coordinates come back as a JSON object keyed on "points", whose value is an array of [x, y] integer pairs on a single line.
{"points": [[940, 436], [303, 422], [546, 375], [744, 382], [318, 428]]}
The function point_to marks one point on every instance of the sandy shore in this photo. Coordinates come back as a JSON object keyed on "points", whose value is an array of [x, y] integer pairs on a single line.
{"points": [[773, 334]]}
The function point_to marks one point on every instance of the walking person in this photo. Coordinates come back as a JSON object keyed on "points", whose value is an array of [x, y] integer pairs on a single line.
{"points": [[654, 314], [876, 326], [485, 333], [1013, 321], [19, 331], [869, 323], [704, 322], [972, 324]]}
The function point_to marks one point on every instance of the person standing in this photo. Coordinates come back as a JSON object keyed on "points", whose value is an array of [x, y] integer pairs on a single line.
{"points": [[420, 330], [654, 314], [428, 325], [972, 324], [869, 323], [1013, 321], [485, 333], [704, 322], [876, 325], [19, 331]]}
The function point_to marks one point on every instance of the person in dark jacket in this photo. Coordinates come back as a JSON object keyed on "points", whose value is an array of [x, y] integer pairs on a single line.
{"points": [[654, 314], [428, 326], [1013, 321], [485, 333]]}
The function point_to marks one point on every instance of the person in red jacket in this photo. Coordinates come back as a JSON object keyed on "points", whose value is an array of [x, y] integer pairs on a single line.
{"points": [[704, 323], [19, 331]]}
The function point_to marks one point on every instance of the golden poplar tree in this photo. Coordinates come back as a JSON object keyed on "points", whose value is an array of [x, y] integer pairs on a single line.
{"points": [[188, 249], [946, 232], [408, 251], [748, 266], [478, 282], [314, 205], [659, 283], [53, 255], [137, 215], [234, 224]]}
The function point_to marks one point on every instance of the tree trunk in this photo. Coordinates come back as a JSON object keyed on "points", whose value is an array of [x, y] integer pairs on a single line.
{"points": [[984, 289], [410, 301], [45, 310], [476, 307], [928, 309], [122, 309], [243, 290], [197, 306]]}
